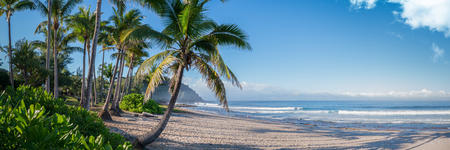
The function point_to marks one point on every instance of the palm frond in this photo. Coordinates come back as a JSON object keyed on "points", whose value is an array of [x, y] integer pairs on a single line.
{"points": [[212, 79], [68, 6], [157, 76], [41, 7], [146, 66], [224, 70], [230, 35], [24, 4]]}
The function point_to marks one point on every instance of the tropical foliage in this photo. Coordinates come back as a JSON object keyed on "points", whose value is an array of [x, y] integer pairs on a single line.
{"points": [[31, 119], [135, 103]]}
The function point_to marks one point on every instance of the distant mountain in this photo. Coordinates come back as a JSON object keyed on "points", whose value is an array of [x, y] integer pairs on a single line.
{"points": [[186, 95]]}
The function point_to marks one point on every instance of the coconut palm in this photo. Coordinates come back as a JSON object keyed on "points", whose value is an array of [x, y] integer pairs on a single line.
{"points": [[82, 24], [193, 43], [126, 28], [47, 55], [60, 10], [8, 7], [63, 46], [134, 57], [103, 40], [91, 71]]}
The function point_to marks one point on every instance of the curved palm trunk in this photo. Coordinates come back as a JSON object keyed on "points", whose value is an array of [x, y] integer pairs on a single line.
{"points": [[104, 114], [47, 56], [11, 75], [94, 48], [114, 107], [157, 130], [55, 65]]}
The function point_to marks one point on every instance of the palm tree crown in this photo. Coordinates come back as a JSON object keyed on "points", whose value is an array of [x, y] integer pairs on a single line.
{"points": [[193, 41], [8, 7]]}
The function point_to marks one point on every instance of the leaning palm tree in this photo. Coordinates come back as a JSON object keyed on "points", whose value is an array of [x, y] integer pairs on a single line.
{"points": [[82, 24], [193, 43], [8, 7], [60, 10]]}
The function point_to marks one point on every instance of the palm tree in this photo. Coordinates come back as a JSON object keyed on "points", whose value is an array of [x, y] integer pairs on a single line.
{"points": [[82, 25], [192, 44], [63, 44], [8, 7], [126, 29], [60, 10], [135, 55], [103, 40], [47, 56], [94, 49]]}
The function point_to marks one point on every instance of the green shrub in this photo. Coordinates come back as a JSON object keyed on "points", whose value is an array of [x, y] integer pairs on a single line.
{"points": [[152, 107], [133, 102], [31, 119]]}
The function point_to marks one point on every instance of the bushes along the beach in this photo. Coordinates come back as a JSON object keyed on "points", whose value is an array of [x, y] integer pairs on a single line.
{"points": [[134, 103], [31, 119]]}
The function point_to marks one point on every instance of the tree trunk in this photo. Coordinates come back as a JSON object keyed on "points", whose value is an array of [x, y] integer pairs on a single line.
{"points": [[94, 48], [49, 35], [24, 75], [114, 107], [84, 85], [91, 94], [101, 76], [157, 130], [130, 81], [95, 89], [55, 64], [11, 75], [83, 79], [104, 114], [127, 80]]}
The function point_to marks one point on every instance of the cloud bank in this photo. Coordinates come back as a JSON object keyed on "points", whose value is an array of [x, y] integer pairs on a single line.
{"points": [[432, 14], [257, 91]]}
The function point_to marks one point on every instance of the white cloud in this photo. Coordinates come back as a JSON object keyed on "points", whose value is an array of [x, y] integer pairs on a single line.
{"points": [[368, 4], [438, 52], [432, 14], [413, 94], [257, 91]]}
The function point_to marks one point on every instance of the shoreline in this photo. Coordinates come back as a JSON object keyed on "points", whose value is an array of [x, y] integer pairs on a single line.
{"points": [[202, 130]]}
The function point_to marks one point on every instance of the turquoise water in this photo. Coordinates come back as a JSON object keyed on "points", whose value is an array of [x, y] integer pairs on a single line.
{"points": [[404, 115]]}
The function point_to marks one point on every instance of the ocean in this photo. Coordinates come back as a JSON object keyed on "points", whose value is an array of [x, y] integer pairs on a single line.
{"points": [[388, 115]]}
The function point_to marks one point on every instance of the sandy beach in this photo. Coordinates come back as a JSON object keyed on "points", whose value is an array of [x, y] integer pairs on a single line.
{"points": [[200, 130]]}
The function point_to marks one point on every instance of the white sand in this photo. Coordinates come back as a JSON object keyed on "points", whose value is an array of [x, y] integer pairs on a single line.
{"points": [[199, 130]]}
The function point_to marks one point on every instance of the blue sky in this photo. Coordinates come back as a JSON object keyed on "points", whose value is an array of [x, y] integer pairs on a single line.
{"points": [[328, 49]]}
